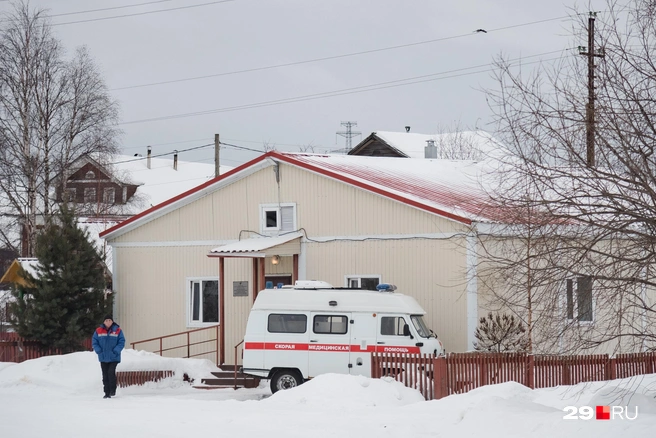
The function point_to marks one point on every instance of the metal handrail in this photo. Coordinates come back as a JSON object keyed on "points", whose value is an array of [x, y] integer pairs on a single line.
{"points": [[242, 341], [188, 344]]}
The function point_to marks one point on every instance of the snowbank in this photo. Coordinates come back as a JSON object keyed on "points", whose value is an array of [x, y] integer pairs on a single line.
{"points": [[347, 391], [328, 406], [81, 371]]}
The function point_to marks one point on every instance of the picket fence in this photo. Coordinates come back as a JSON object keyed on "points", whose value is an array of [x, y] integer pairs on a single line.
{"points": [[13, 348], [457, 373]]}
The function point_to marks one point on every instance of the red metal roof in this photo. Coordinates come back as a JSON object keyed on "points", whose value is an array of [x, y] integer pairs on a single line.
{"points": [[445, 188]]}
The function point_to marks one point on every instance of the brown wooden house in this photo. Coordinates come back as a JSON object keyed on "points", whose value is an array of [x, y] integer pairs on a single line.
{"points": [[89, 182]]}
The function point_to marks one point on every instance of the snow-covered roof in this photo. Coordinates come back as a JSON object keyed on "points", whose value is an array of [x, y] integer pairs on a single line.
{"points": [[253, 246], [413, 144], [161, 181], [12, 275], [449, 188], [29, 264]]}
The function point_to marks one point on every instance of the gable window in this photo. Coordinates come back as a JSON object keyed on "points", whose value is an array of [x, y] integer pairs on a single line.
{"points": [[277, 218], [90, 175], [109, 195], [579, 298], [90, 194], [202, 301], [365, 282]]}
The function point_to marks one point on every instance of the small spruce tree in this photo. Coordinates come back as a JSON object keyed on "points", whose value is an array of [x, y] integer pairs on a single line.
{"points": [[62, 304], [500, 334]]}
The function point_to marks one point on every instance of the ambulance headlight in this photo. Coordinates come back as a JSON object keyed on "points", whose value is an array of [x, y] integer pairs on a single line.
{"points": [[385, 287]]}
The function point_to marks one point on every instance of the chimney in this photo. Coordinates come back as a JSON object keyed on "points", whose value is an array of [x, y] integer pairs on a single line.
{"points": [[430, 151], [175, 159], [407, 129], [148, 159]]}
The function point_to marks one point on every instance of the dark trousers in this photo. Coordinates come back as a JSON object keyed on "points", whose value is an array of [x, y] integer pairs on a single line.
{"points": [[109, 377]]}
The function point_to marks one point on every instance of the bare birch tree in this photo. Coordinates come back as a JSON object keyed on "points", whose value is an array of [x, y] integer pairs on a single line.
{"points": [[586, 233], [52, 110]]}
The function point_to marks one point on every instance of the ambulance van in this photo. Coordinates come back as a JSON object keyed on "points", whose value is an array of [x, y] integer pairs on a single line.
{"points": [[298, 332]]}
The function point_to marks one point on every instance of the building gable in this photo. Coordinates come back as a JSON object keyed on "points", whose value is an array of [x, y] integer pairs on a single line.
{"points": [[373, 146], [92, 183]]}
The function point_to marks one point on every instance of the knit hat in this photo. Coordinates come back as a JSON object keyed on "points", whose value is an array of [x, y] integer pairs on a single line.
{"points": [[108, 317]]}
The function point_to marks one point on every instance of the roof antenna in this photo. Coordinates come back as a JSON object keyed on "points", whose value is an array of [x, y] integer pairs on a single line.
{"points": [[407, 129]]}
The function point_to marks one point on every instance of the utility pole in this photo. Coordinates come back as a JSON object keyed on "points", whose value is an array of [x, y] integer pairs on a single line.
{"points": [[348, 134], [591, 53], [217, 149]]}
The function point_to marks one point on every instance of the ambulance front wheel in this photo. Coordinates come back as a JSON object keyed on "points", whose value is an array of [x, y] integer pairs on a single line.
{"points": [[285, 379]]}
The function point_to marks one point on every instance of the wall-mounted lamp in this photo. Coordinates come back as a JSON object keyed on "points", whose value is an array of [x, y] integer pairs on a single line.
{"points": [[275, 260]]}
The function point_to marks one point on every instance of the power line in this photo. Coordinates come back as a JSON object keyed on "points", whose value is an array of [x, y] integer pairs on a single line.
{"points": [[163, 154], [166, 144], [327, 58], [89, 11], [354, 90], [241, 147], [145, 13], [229, 139]]}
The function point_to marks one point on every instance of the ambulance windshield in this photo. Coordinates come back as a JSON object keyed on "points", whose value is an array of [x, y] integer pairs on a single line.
{"points": [[420, 326]]}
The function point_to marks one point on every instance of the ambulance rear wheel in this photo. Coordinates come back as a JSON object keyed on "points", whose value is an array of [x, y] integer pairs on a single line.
{"points": [[285, 379]]}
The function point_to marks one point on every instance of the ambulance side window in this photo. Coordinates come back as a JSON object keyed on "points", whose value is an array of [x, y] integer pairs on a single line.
{"points": [[330, 324], [392, 325], [285, 323]]}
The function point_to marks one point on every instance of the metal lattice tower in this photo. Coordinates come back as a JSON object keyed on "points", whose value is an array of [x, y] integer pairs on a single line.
{"points": [[349, 133]]}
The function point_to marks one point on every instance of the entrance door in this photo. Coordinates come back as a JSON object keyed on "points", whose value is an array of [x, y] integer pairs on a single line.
{"points": [[329, 344]]}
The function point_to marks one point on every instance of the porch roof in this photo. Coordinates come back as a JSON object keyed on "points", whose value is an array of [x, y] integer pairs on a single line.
{"points": [[253, 247], [12, 274]]}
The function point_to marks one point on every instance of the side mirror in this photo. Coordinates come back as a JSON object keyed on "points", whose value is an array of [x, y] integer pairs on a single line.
{"points": [[406, 330]]}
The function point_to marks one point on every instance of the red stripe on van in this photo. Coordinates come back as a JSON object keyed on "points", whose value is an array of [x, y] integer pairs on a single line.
{"points": [[329, 348]]}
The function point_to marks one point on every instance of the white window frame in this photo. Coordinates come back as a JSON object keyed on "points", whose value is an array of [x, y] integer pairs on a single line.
{"points": [[358, 278], [575, 302], [189, 301], [109, 199], [264, 208]]}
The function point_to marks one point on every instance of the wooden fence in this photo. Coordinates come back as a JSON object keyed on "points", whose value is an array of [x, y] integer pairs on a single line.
{"points": [[128, 378], [457, 373], [13, 348]]}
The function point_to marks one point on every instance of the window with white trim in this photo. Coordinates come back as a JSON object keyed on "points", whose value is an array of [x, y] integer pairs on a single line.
{"points": [[202, 301], [365, 282], [578, 297], [109, 195], [276, 218]]}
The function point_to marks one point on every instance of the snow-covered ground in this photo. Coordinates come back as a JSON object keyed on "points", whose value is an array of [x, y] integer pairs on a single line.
{"points": [[61, 396]]}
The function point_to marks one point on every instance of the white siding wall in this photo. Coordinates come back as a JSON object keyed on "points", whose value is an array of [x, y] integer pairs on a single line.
{"points": [[432, 271]]}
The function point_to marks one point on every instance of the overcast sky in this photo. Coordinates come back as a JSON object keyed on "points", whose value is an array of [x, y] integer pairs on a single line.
{"points": [[169, 40]]}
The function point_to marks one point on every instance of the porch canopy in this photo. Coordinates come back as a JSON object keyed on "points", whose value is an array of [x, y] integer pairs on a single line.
{"points": [[258, 249], [12, 275]]}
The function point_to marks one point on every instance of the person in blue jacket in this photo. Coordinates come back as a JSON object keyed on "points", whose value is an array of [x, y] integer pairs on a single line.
{"points": [[108, 341]]}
